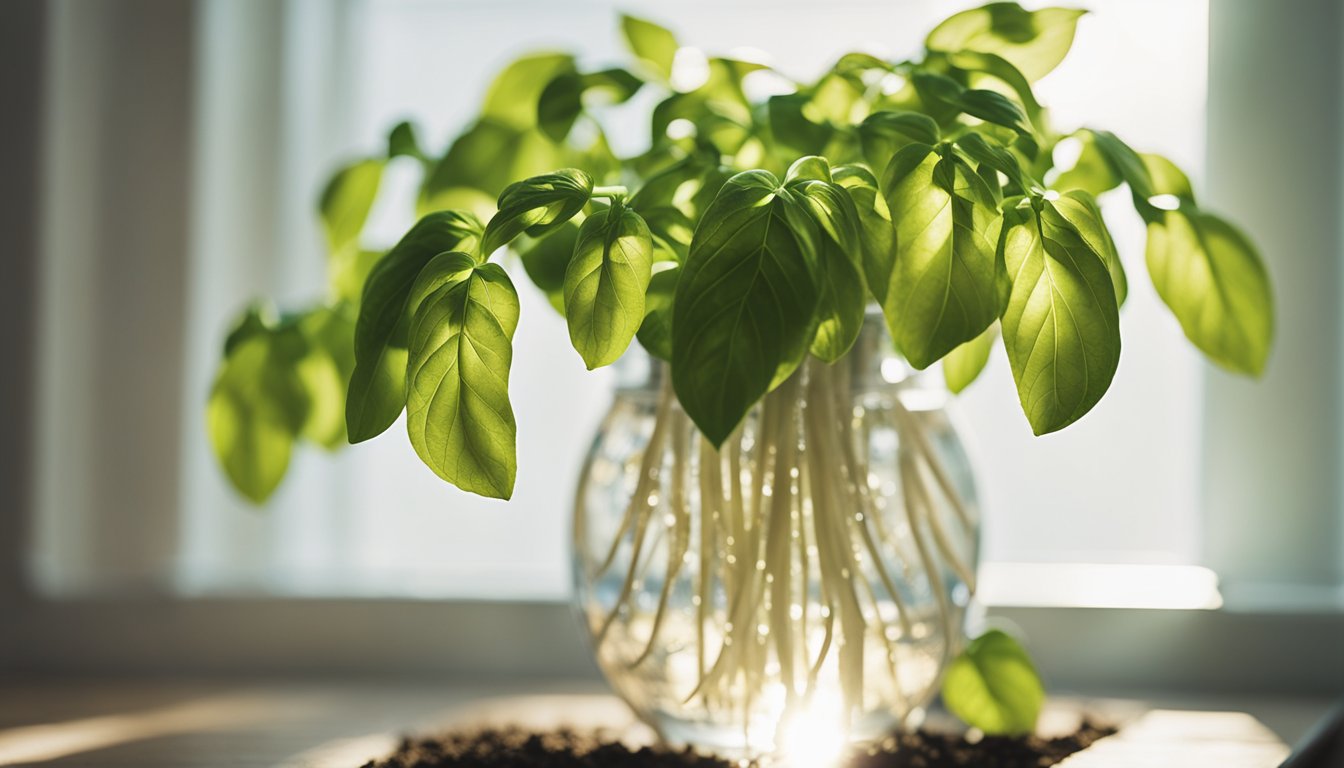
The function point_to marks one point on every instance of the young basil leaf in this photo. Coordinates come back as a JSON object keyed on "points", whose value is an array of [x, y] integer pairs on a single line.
{"points": [[1061, 327], [1211, 277], [996, 158], [563, 99], [1166, 178], [1034, 41], [324, 371], [1003, 70], [605, 284], [537, 206], [992, 685], [990, 106], [458, 414], [1082, 212], [744, 306], [940, 292], [346, 202], [512, 97], [257, 408], [378, 384], [546, 258], [881, 134], [963, 364], [655, 333], [653, 45], [1092, 172], [403, 142], [843, 289], [810, 168], [1127, 164]]}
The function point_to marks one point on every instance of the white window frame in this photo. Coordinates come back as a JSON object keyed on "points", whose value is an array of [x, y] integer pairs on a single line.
{"points": [[1267, 638]]}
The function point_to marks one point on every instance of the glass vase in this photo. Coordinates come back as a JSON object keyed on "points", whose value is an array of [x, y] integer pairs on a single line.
{"points": [[799, 588]]}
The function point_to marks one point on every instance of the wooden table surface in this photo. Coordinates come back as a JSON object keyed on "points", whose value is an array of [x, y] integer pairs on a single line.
{"points": [[181, 724]]}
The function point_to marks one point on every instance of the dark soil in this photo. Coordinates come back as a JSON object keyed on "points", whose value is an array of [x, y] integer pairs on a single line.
{"points": [[567, 749]]}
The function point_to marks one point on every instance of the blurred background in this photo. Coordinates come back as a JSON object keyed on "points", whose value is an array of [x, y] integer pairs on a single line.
{"points": [[161, 165]]}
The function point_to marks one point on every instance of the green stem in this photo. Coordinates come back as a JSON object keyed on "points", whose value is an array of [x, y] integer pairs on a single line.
{"points": [[612, 191]]}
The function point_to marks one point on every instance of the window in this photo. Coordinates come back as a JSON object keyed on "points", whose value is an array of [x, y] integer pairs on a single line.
{"points": [[282, 91]]}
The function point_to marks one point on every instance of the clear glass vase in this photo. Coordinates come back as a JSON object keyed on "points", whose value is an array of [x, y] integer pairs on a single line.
{"points": [[799, 588]]}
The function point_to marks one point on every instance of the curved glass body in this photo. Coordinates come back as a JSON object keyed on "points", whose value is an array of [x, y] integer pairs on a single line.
{"points": [[805, 583]]}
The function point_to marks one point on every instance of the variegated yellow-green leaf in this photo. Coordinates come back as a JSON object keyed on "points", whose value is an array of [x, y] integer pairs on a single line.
{"points": [[941, 290], [605, 284], [1061, 327], [458, 414]]}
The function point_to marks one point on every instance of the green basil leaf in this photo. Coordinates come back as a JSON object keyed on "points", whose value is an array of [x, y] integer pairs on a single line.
{"points": [[378, 384], [1166, 178], [1034, 41], [346, 202], [881, 134], [1061, 327], [792, 130], [844, 291], [403, 142], [348, 271], [652, 44], [992, 685], [546, 258], [259, 317], [941, 290], [878, 240], [655, 333], [458, 414], [1212, 278], [324, 371], [512, 97], [1127, 164], [1092, 172], [744, 306], [256, 410], [1082, 212], [671, 230], [810, 168], [605, 284], [1003, 70], [963, 364], [537, 206], [481, 162], [990, 106], [563, 99], [996, 158]]}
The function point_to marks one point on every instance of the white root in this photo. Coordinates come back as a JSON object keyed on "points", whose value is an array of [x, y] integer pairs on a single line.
{"points": [[805, 502]]}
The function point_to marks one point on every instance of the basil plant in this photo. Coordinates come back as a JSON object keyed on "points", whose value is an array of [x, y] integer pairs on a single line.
{"points": [[752, 233]]}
